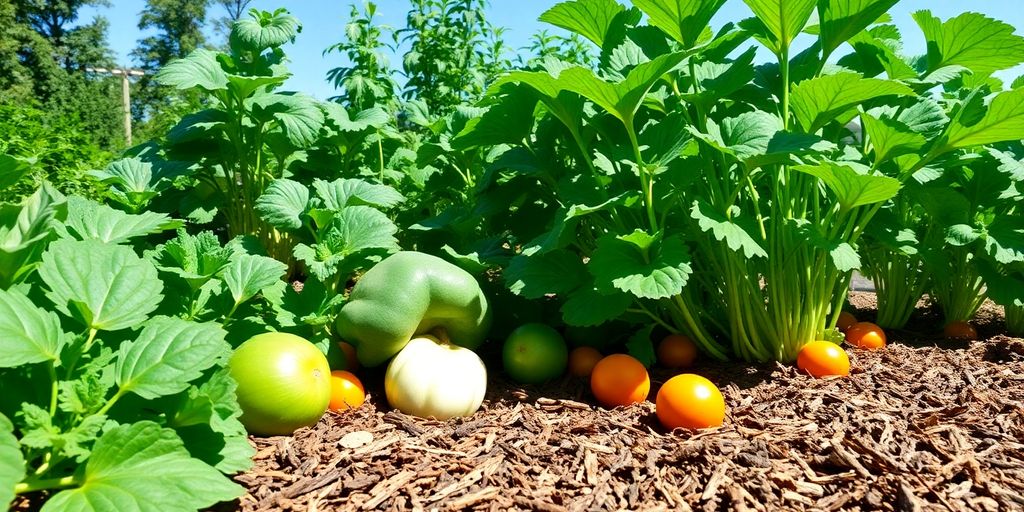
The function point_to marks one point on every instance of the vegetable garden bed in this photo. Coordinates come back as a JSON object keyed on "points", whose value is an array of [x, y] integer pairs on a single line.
{"points": [[925, 424]]}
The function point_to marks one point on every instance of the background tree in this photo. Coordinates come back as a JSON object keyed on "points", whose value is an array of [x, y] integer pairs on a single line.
{"points": [[233, 11], [367, 79]]}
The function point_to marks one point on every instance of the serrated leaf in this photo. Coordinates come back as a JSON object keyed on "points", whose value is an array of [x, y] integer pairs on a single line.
{"points": [[28, 334], [144, 467], [840, 20], [621, 99], [247, 275], [167, 355], [207, 421], [264, 30], [199, 69], [784, 19], [11, 170], [24, 230], [375, 117], [591, 19], [12, 463], [89, 220], [683, 20], [106, 287], [641, 347], [588, 307], [851, 188], [341, 193], [818, 101], [1003, 120], [298, 115], [890, 138], [725, 230], [660, 272], [971, 40], [506, 122], [283, 203], [533, 276], [1005, 239], [196, 259]]}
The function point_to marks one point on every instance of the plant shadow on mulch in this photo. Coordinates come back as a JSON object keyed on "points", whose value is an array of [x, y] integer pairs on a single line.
{"points": [[921, 425]]}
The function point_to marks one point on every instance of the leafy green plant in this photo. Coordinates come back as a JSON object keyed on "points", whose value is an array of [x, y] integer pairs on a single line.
{"points": [[684, 186], [367, 79]]}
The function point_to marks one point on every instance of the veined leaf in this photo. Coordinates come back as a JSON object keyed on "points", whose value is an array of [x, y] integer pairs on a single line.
{"points": [[297, 114], [891, 138], [24, 229], [506, 122], [784, 19], [208, 416], [840, 20], [656, 273], [195, 258], [28, 334], [726, 230], [563, 104], [538, 274], [89, 220], [345, 192], [683, 20], [1003, 120], [375, 117], [283, 204], [12, 463], [851, 188], [621, 99], [587, 306], [168, 354], [11, 170], [591, 19], [106, 287], [971, 40], [249, 274], [264, 30], [144, 467], [819, 100], [199, 69]]}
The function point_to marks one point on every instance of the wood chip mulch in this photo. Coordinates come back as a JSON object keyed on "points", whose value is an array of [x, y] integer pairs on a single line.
{"points": [[924, 424]]}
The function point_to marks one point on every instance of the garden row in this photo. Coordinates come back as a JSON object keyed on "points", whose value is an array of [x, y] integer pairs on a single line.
{"points": [[668, 188]]}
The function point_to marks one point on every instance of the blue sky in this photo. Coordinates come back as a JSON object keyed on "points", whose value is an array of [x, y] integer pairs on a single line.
{"points": [[323, 22]]}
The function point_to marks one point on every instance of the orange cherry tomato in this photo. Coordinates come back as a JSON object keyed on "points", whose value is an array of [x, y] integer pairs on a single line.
{"points": [[677, 351], [846, 320], [865, 335], [689, 401], [582, 361], [960, 330], [347, 391], [620, 379], [823, 359], [351, 360]]}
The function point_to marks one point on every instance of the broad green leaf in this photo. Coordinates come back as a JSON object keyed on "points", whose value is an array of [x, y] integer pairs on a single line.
{"points": [[843, 256], [621, 99], [243, 86], [106, 287], [1003, 121], [89, 220], [683, 20], [38, 432], [24, 230], [354, 229], [12, 463], [11, 170], [264, 30], [506, 122], [283, 203], [248, 275], [926, 117], [204, 124], [720, 79], [538, 274], [144, 467], [591, 19], [641, 347], [840, 20], [195, 258], [783, 18], [1003, 285], [375, 117], [724, 229], [744, 136], [971, 40], [199, 69], [565, 105], [659, 272], [298, 115], [891, 138], [1005, 239], [818, 101], [587, 306], [207, 421], [345, 192], [168, 354], [28, 334], [851, 188]]}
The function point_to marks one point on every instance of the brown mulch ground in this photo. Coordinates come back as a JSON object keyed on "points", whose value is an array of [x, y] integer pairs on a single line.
{"points": [[925, 424]]}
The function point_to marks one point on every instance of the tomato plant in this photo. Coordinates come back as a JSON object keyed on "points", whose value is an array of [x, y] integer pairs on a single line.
{"points": [[534, 353], [689, 401]]}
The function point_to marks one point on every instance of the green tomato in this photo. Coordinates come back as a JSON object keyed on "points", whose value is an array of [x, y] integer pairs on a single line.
{"points": [[534, 353], [284, 383]]}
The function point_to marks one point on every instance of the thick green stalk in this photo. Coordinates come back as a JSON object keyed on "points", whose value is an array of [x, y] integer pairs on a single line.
{"points": [[1015, 320]]}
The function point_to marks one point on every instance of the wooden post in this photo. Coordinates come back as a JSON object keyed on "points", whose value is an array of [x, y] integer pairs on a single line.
{"points": [[126, 94]]}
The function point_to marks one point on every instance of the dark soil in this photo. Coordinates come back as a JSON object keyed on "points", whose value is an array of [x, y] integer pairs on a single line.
{"points": [[925, 424]]}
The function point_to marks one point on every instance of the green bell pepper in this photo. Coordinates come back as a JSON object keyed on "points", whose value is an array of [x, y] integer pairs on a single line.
{"points": [[407, 294]]}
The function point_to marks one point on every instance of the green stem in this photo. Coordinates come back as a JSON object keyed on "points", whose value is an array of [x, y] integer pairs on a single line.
{"points": [[110, 403], [34, 485], [52, 367]]}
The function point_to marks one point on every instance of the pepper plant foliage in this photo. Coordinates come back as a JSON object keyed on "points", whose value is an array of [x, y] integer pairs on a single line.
{"points": [[678, 183], [118, 357]]}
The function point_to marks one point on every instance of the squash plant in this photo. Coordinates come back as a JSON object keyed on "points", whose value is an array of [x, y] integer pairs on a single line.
{"points": [[690, 188]]}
